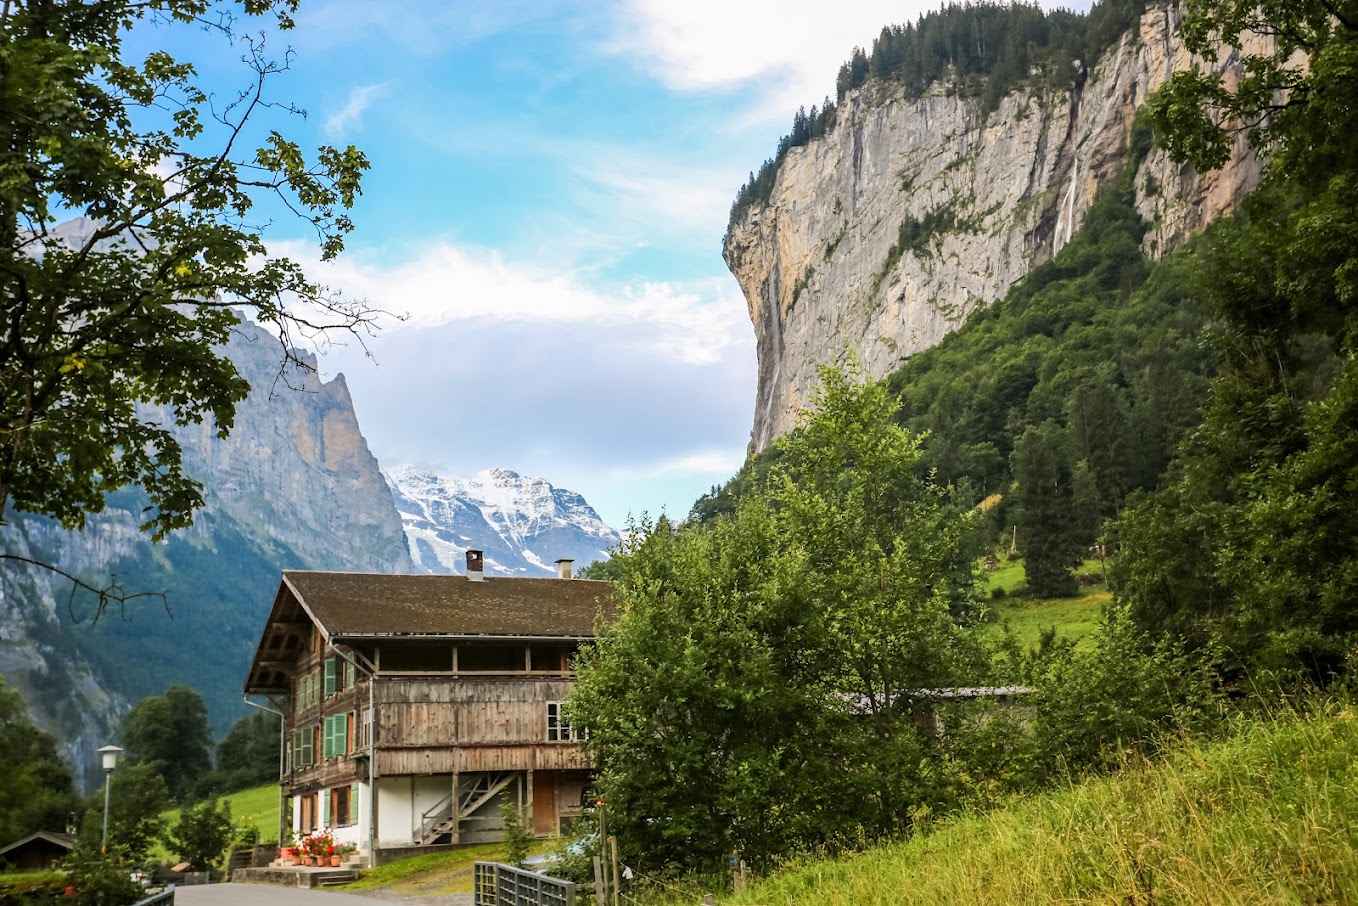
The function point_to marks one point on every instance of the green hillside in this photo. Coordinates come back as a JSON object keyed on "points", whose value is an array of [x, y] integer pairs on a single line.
{"points": [[1262, 817]]}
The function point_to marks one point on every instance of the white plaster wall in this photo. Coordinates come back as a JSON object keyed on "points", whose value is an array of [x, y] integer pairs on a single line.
{"points": [[395, 810]]}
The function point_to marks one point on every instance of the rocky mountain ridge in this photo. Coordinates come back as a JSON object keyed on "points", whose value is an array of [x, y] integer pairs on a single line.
{"points": [[294, 486], [984, 197], [523, 524]]}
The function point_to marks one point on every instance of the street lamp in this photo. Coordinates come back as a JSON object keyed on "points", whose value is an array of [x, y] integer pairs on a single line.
{"points": [[109, 756]]}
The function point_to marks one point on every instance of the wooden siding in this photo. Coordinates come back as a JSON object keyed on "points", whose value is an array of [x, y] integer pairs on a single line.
{"points": [[457, 759], [467, 712], [432, 725]]}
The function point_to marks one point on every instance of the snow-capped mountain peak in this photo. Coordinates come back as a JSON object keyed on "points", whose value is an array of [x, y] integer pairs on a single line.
{"points": [[523, 524]]}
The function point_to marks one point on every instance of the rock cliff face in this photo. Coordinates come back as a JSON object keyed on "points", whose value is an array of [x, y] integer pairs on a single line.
{"points": [[296, 468], [294, 486], [985, 199]]}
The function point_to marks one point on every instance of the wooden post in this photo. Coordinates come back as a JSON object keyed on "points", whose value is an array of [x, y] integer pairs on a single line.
{"points": [[457, 809], [603, 861], [600, 883], [617, 879], [528, 804]]}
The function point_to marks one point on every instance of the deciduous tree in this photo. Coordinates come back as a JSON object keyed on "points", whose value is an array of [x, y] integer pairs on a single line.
{"points": [[130, 305], [755, 693], [36, 789], [170, 734]]}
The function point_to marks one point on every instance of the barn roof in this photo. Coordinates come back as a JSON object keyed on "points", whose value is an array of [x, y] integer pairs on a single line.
{"points": [[353, 607], [374, 605]]}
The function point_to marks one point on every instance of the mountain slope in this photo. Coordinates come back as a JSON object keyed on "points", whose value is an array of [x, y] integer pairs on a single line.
{"points": [[883, 233], [294, 486], [523, 524]]}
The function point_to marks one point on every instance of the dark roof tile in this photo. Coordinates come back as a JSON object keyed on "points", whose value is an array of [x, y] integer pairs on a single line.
{"points": [[371, 604]]}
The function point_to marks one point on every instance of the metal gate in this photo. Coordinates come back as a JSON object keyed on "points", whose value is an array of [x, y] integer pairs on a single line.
{"points": [[497, 884]]}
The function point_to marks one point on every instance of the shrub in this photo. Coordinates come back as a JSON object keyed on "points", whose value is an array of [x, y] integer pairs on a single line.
{"points": [[518, 836]]}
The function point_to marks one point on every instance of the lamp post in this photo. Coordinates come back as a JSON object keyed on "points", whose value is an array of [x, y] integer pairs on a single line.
{"points": [[109, 756]]}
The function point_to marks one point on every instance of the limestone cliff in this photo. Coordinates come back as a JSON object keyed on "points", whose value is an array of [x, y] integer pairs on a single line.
{"points": [[986, 198], [294, 486]]}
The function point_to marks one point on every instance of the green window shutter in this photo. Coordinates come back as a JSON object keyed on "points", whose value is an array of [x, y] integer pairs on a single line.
{"points": [[308, 748], [348, 675], [329, 676], [325, 809], [325, 738]]}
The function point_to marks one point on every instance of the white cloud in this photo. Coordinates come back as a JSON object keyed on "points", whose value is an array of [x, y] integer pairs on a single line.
{"points": [[359, 100], [703, 463], [695, 322], [656, 192], [792, 47]]}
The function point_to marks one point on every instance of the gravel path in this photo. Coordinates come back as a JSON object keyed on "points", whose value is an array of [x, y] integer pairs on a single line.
{"points": [[271, 895]]}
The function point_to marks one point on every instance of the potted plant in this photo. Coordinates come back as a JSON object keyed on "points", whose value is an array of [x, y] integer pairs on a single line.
{"points": [[318, 845]]}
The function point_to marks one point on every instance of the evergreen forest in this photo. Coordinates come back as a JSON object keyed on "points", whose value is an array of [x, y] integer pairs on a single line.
{"points": [[983, 50]]}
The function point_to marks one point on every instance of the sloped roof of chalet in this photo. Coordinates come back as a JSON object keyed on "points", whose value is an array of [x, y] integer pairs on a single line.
{"points": [[353, 607], [356, 605], [62, 841]]}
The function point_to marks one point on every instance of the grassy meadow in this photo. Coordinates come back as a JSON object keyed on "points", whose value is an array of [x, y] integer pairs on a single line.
{"points": [[1264, 816], [436, 874], [1027, 616]]}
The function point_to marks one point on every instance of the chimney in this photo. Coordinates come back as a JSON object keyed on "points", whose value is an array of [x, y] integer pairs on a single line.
{"points": [[563, 569], [474, 566]]}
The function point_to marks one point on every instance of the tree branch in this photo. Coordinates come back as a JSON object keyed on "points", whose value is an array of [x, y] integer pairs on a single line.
{"points": [[112, 593]]}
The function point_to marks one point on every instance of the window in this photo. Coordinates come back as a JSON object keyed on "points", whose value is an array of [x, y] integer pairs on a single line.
{"points": [[342, 811], [331, 687], [303, 747], [361, 740], [338, 735], [307, 806], [417, 657], [308, 690], [559, 727], [544, 659]]}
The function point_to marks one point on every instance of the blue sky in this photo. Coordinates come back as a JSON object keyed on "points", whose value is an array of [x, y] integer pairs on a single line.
{"points": [[549, 187]]}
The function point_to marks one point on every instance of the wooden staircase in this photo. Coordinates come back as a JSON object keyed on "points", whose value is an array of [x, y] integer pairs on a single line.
{"points": [[445, 816]]}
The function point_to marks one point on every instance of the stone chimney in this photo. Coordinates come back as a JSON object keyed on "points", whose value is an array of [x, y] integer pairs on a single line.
{"points": [[563, 569], [475, 566]]}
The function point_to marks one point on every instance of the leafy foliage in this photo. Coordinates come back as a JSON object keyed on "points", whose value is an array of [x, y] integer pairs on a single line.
{"points": [[170, 734], [36, 788], [136, 796], [248, 755], [101, 879], [818, 606], [131, 305], [202, 833], [1255, 542], [518, 834]]}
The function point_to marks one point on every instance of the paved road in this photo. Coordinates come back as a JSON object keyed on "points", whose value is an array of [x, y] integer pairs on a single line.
{"points": [[270, 895]]}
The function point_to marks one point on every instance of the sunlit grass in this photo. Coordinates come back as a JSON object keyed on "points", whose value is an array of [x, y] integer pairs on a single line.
{"points": [[1263, 817], [258, 804], [435, 873], [1027, 617]]}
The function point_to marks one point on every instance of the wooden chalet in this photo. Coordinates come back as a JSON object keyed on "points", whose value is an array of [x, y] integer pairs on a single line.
{"points": [[414, 706]]}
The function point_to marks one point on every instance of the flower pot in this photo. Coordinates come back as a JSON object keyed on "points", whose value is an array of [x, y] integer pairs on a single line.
{"points": [[311, 860], [334, 861]]}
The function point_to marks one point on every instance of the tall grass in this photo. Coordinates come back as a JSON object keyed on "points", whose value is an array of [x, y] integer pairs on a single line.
{"points": [[1269, 815]]}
